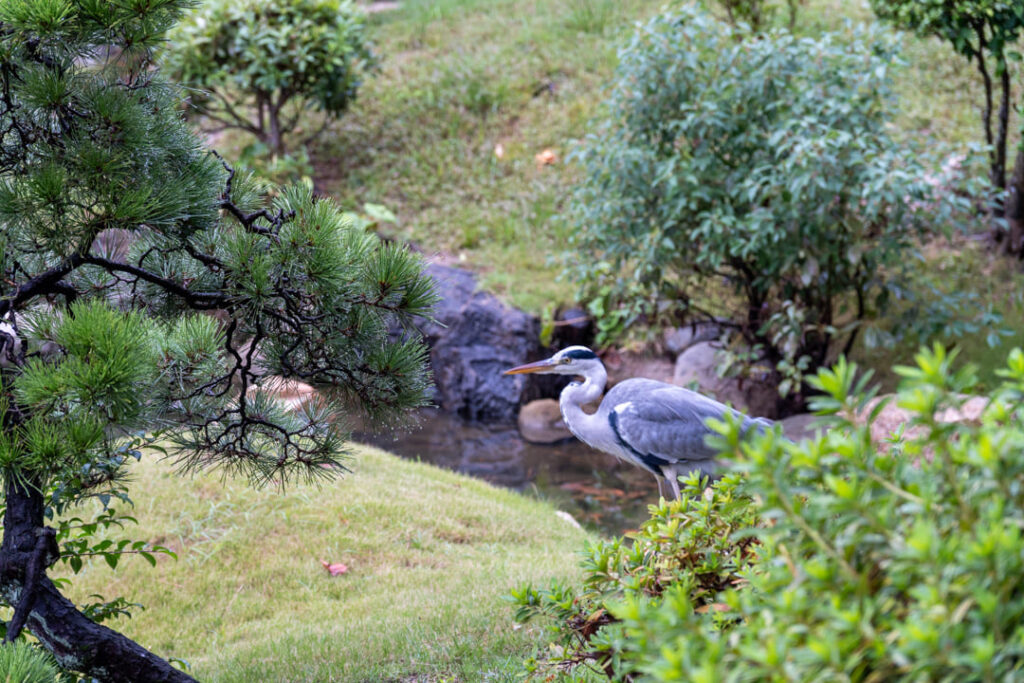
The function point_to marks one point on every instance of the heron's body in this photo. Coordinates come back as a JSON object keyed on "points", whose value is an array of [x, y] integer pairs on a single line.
{"points": [[656, 426]]}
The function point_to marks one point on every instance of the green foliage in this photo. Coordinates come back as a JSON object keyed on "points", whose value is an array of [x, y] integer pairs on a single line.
{"points": [[260, 64], [758, 14], [686, 548], [898, 561], [984, 32], [973, 27], [761, 167], [152, 295], [21, 662]]}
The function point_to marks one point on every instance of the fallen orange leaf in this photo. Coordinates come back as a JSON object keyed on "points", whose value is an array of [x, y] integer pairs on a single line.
{"points": [[545, 158], [334, 568]]}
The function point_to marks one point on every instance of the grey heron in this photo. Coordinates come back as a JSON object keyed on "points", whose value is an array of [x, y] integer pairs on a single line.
{"points": [[656, 426]]}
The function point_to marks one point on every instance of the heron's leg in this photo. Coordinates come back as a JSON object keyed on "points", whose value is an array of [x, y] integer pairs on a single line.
{"points": [[673, 481], [661, 494]]}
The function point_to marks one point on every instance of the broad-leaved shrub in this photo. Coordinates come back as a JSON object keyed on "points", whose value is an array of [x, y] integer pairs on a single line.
{"points": [[753, 180], [899, 561], [258, 65]]}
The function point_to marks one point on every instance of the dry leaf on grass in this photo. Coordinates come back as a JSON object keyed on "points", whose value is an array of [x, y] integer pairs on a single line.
{"points": [[334, 568], [545, 158]]}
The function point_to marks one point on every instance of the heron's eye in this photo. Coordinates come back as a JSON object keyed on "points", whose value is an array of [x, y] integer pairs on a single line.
{"points": [[566, 361]]}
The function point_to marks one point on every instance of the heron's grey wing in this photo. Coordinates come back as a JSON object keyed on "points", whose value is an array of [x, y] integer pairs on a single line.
{"points": [[662, 424]]}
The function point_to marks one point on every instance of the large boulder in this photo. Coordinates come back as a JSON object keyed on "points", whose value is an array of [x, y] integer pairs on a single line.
{"points": [[678, 339], [892, 418], [475, 338], [623, 365], [698, 364]]}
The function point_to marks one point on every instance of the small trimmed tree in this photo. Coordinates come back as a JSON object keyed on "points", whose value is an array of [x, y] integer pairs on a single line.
{"points": [[258, 65], [985, 32], [150, 293], [751, 182]]}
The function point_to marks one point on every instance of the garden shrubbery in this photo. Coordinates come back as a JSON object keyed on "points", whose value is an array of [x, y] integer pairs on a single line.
{"points": [[832, 559], [260, 64], [753, 180]]}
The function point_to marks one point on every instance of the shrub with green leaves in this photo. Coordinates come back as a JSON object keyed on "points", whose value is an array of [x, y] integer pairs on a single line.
{"points": [[757, 14], [982, 31], [753, 181], [900, 561], [686, 547], [260, 64], [986, 33]]}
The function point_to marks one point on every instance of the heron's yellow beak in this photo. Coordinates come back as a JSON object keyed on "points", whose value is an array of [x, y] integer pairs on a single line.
{"points": [[538, 366]]}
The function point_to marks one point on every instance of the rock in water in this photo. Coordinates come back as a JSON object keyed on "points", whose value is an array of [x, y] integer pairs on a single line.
{"points": [[541, 421]]}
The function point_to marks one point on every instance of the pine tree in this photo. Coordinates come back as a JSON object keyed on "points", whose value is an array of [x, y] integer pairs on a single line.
{"points": [[150, 292]]}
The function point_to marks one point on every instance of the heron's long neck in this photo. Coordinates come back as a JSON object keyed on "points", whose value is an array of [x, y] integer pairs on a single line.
{"points": [[577, 394]]}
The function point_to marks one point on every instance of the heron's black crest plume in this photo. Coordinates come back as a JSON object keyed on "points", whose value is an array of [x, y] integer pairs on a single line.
{"points": [[581, 354]]}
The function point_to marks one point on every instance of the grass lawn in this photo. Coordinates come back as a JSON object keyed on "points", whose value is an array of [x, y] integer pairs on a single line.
{"points": [[430, 555], [461, 79]]}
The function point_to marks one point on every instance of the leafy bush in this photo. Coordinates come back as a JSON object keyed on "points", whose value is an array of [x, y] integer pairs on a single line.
{"points": [[686, 546], [903, 562], [986, 33], [262, 63], [755, 13], [751, 181]]}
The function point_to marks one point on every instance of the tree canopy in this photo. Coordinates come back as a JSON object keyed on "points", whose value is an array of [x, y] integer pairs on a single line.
{"points": [[258, 65], [149, 296]]}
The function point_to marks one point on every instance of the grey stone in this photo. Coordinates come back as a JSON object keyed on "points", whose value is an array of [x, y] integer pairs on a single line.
{"points": [[696, 364], [475, 338], [679, 339], [699, 363], [541, 421], [623, 365], [797, 427]]}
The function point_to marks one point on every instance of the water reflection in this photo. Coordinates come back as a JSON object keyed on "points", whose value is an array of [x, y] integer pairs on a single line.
{"points": [[595, 488]]}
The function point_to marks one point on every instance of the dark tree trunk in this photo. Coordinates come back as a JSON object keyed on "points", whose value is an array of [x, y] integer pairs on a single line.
{"points": [[1014, 243], [275, 138], [997, 178], [77, 643], [1003, 123]]}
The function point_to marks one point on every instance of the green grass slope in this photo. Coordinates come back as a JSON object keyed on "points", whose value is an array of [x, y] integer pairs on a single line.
{"points": [[430, 554], [461, 79]]}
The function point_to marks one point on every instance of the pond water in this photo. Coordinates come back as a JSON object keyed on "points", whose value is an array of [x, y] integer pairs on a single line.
{"points": [[600, 492]]}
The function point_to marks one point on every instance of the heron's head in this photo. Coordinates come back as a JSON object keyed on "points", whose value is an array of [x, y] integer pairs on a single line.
{"points": [[573, 360]]}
